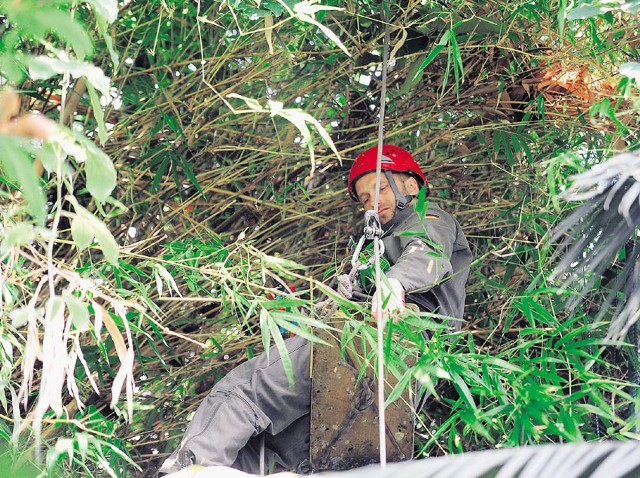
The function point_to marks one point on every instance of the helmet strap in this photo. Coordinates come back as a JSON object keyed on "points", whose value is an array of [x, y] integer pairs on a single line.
{"points": [[401, 200]]}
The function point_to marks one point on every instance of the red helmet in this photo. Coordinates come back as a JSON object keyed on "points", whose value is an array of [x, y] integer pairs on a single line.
{"points": [[394, 159]]}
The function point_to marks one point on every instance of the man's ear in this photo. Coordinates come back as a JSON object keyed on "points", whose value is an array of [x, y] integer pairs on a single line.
{"points": [[412, 186]]}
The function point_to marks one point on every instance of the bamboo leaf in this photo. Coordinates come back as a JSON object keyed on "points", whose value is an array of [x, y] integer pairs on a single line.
{"points": [[164, 276], [282, 350], [98, 113], [18, 168], [305, 11], [435, 51], [20, 316], [78, 311], [630, 69], [250, 102], [89, 225], [107, 9], [101, 174], [82, 232], [38, 22], [268, 31], [587, 11], [116, 335], [17, 235], [123, 376], [44, 67]]}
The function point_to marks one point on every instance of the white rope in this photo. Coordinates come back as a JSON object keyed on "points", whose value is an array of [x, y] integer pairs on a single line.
{"points": [[377, 244]]}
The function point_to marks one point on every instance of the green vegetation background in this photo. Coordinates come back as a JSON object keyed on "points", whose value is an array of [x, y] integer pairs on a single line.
{"points": [[198, 163]]}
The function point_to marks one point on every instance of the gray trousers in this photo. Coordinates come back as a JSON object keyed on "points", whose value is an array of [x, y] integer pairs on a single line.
{"points": [[252, 406]]}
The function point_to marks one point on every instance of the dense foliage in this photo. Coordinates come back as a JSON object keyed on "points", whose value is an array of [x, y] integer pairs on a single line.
{"points": [[187, 158]]}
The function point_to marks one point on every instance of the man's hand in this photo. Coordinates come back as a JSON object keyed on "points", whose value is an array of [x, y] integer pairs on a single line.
{"points": [[389, 300]]}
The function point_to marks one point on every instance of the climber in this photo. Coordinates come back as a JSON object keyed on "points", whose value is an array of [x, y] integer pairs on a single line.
{"points": [[253, 414]]}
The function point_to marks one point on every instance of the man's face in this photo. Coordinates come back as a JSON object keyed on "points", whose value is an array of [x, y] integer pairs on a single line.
{"points": [[366, 191]]}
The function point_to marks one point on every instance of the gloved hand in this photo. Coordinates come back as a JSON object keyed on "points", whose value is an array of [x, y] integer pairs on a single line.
{"points": [[345, 286], [389, 300]]}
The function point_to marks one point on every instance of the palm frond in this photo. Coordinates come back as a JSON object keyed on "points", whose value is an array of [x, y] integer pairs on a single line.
{"points": [[585, 460], [594, 234]]}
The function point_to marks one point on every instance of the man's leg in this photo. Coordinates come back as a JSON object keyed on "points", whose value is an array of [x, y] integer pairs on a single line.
{"points": [[254, 397], [281, 452]]}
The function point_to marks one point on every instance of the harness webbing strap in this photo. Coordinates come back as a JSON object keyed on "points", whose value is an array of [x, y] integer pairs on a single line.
{"points": [[401, 199]]}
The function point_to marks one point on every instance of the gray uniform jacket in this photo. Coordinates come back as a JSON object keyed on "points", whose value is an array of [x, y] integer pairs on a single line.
{"points": [[430, 257], [253, 410]]}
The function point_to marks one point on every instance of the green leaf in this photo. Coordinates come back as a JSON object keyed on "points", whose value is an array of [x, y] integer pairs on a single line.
{"points": [[44, 67], [282, 350], [38, 21], [287, 321], [108, 40], [107, 9], [427, 61], [16, 235], [98, 114], [587, 11], [64, 26], [108, 244], [51, 159], [101, 174], [81, 232], [562, 13], [188, 170], [79, 312], [18, 167], [458, 67], [414, 74], [19, 316], [11, 67], [266, 330], [91, 225], [463, 389], [399, 389], [174, 124], [631, 69], [160, 170]]}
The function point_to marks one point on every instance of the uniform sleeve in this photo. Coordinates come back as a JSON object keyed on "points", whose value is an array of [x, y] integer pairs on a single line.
{"points": [[425, 257]]}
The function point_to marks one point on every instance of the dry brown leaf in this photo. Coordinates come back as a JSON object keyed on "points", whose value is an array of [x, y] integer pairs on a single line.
{"points": [[72, 385], [30, 126], [27, 125], [125, 373], [97, 324], [32, 351], [112, 328], [9, 105], [85, 365], [268, 30], [54, 351]]}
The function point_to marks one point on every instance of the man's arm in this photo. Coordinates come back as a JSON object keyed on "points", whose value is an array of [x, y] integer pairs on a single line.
{"points": [[422, 259]]}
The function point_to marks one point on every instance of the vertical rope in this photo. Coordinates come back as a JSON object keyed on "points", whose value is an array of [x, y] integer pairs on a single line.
{"points": [[376, 244], [263, 468], [634, 377], [596, 417]]}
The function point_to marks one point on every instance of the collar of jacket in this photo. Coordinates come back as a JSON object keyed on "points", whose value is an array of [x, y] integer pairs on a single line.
{"points": [[399, 216]]}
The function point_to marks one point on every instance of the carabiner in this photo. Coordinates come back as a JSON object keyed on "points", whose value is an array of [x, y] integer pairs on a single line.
{"points": [[372, 230]]}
